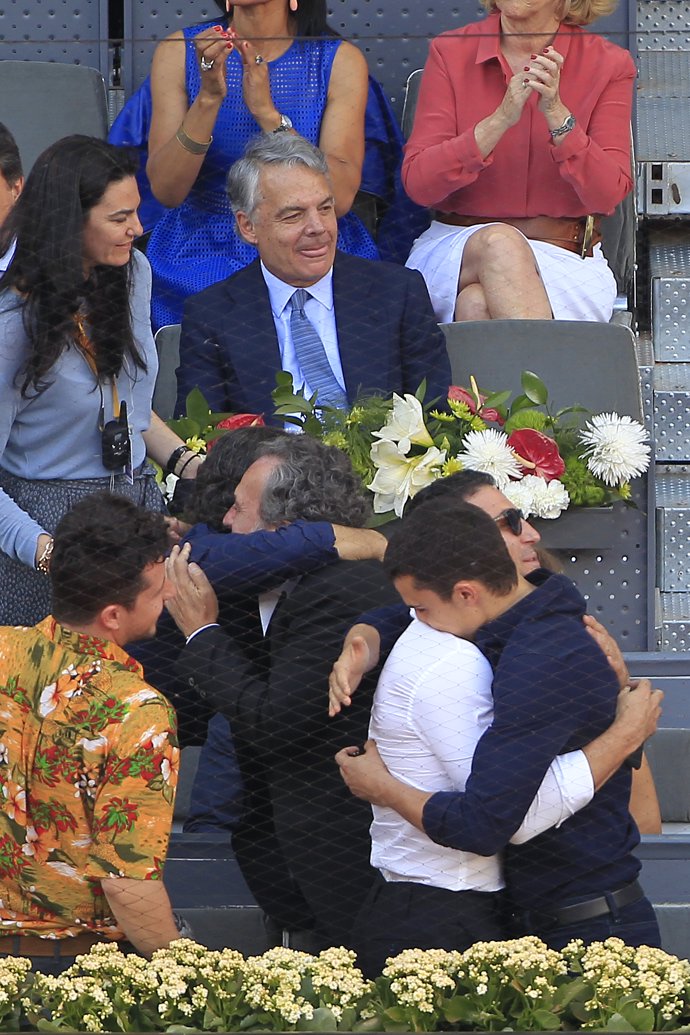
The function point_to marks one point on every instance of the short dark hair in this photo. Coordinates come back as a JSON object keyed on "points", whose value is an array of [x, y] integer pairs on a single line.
{"points": [[311, 482], [102, 546], [442, 543], [10, 160], [460, 486], [227, 460]]}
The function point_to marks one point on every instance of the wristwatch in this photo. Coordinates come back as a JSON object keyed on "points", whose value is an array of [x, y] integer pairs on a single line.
{"points": [[565, 127], [285, 125]]}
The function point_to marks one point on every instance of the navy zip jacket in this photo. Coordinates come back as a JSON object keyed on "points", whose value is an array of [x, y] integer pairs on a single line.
{"points": [[554, 692]]}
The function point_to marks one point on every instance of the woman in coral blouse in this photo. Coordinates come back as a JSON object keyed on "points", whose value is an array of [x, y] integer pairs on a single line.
{"points": [[521, 140]]}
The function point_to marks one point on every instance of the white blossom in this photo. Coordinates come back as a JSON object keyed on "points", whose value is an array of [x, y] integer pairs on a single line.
{"points": [[489, 451], [399, 477], [406, 424], [616, 449]]}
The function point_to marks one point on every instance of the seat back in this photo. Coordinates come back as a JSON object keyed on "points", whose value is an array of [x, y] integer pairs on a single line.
{"points": [[592, 364], [414, 81], [668, 752], [43, 101], [165, 391]]}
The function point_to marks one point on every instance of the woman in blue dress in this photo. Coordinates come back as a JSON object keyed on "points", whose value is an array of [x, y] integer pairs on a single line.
{"points": [[268, 67]]}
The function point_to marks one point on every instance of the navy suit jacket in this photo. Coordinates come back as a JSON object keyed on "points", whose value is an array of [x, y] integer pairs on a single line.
{"points": [[388, 337]]}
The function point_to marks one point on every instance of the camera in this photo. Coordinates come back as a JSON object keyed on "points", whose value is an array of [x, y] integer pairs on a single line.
{"points": [[116, 447]]}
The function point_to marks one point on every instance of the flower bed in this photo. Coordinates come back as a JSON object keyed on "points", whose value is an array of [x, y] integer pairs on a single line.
{"points": [[493, 986]]}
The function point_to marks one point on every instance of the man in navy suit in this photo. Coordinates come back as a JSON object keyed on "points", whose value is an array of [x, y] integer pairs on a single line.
{"points": [[374, 319]]}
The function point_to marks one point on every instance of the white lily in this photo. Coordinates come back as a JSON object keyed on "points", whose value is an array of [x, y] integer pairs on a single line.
{"points": [[399, 477], [406, 424]]}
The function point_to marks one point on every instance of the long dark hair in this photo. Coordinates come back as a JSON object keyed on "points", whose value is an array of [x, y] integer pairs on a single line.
{"points": [[310, 17], [47, 222]]}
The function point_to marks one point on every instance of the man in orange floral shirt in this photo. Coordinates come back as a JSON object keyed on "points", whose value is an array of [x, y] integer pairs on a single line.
{"points": [[88, 750]]}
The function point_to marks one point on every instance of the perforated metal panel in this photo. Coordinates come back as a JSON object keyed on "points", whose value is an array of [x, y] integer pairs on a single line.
{"points": [[55, 30], [663, 25], [645, 366], [672, 411], [673, 531], [669, 269], [393, 37], [675, 616]]}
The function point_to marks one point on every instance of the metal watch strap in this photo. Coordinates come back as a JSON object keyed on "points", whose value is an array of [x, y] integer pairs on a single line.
{"points": [[565, 127]]}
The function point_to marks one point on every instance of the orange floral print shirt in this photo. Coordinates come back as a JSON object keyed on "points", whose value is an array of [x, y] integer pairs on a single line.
{"points": [[88, 767]]}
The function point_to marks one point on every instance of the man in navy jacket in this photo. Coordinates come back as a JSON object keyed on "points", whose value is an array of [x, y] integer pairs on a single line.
{"points": [[554, 692], [375, 319]]}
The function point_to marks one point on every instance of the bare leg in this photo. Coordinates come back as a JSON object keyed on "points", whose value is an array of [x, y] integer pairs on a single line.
{"points": [[500, 262], [471, 304]]}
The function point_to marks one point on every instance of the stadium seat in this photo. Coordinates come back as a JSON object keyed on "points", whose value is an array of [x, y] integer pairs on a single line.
{"points": [[42, 101]]}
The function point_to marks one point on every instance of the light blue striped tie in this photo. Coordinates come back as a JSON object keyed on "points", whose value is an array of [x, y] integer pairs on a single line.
{"points": [[311, 355]]}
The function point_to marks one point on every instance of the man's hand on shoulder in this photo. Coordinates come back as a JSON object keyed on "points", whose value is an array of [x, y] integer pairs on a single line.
{"points": [[613, 653], [195, 603], [638, 711], [359, 544]]}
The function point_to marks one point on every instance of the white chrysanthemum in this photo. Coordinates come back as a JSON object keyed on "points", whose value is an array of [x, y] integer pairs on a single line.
{"points": [[399, 477], [548, 499], [489, 451], [406, 424], [520, 495], [616, 448]]}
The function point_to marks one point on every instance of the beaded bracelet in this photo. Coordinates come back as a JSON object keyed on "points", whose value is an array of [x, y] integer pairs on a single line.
{"points": [[43, 562]]}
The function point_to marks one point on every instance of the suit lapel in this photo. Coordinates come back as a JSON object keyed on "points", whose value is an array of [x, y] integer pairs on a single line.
{"points": [[255, 354], [356, 321]]}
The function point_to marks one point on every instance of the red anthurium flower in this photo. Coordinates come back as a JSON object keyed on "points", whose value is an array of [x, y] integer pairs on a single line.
{"points": [[239, 420], [242, 420], [490, 415], [537, 454]]}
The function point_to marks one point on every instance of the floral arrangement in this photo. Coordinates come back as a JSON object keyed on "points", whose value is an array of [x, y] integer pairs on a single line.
{"points": [[518, 985], [199, 429], [542, 460]]}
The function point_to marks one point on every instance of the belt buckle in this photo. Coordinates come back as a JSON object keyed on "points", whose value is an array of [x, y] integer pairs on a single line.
{"points": [[587, 236]]}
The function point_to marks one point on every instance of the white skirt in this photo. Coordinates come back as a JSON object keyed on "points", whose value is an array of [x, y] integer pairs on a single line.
{"points": [[578, 289]]}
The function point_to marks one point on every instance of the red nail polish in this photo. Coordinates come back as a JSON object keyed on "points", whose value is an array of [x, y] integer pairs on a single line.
{"points": [[229, 46], [216, 28], [525, 82], [526, 68], [545, 50]]}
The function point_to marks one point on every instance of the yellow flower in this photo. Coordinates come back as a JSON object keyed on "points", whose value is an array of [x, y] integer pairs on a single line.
{"points": [[196, 443]]}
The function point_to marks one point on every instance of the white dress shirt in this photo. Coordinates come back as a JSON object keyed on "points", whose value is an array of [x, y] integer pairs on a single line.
{"points": [[320, 312], [432, 704], [6, 258]]}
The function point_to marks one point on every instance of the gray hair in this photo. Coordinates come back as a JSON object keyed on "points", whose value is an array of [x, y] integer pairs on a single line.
{"points": [[311, 482], [286, 149]]}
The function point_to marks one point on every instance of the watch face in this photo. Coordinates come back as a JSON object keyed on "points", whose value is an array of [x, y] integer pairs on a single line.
{"points": [[285, 122]]}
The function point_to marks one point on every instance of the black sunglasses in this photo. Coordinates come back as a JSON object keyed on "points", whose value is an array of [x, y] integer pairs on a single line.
{"points": [[513, 519]]}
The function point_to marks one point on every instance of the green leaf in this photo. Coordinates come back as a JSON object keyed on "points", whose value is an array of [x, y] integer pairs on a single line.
{"points": [[295, 405], [459, 1008], [322, 1020], [127, 853], [497, 399], [185, 427], [196, 407], [571, 990], [638, 1018], [617, 1022], [534, 388], [421, 391], [520, 402], [284, 378], [546, 1020]]}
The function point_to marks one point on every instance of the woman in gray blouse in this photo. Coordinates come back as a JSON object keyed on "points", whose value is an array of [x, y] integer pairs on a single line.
{"points": [[77, 360]]}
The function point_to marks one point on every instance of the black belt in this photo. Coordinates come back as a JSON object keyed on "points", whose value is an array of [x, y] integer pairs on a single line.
{"points": [[594, 907]]}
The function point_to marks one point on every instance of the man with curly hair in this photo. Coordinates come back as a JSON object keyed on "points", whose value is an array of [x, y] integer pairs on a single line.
{"points": [[303, 841], [88, 750]]}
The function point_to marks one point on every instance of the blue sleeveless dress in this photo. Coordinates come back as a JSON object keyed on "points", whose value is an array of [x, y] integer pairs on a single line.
{"points": [[196, 245]]}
